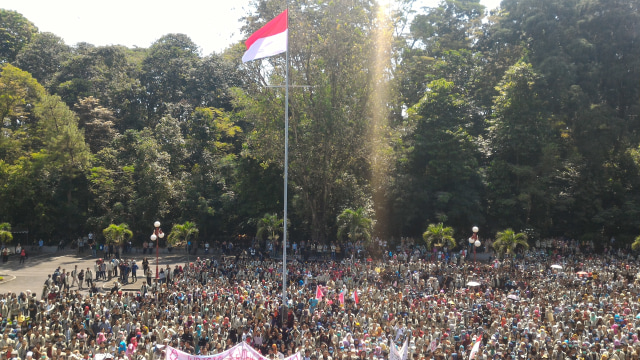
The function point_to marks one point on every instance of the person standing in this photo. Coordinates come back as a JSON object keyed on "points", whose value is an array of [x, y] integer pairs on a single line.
{"points": [[134, 271], [147, 273], [23, 256], [89, 278], [80, 279], [74, 276]]}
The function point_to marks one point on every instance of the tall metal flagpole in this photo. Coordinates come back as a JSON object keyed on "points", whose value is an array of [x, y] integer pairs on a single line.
{"points": [[286, 173]]}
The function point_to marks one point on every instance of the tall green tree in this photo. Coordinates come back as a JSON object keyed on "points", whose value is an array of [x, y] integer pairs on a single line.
{"points": [[525, 153], [329, 121], [43, 56], [441, 163], [355, 225], [16, 32]]}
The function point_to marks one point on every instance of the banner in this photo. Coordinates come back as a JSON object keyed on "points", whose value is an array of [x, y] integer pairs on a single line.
{"points": [[393, 352], [241, 351]]}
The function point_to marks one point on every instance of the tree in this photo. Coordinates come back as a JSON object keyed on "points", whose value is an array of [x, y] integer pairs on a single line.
{"points": [[44, 56], [438, 235], [355, 225], [5, 233], [270, 226], [168, 71], [182, 233], [508, 241], [97, 121], [636, 244], [15, 33], [117, 234], [330, 121]]}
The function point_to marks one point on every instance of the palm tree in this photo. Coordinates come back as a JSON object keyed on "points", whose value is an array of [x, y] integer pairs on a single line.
{"points": [[355, 224], [507, 241], [440, 235], [182, 233], [117, 234], [5, 233], [271, 226]]}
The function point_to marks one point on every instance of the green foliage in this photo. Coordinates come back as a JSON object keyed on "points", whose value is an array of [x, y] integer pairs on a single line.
{"points": [[182, 233], [5, 233], [438, 235], [270, 226], [508, 241], [355, 225], [117, 234], [527, 118], [16, 32], [43, 56]]}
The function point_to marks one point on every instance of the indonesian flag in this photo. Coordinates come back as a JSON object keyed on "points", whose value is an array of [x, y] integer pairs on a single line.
{"points": [[341, 297], [356, 299], [319, 293], [269, 40], [475, 348]]}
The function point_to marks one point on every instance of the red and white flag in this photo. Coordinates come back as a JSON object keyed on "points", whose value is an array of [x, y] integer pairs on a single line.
{"points": [[355, 296], [269, 40], [319, 293], [341, 297], [475, 348]]}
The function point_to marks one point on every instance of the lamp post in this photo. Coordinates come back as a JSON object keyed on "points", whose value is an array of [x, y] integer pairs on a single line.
{"points": [[474, 242], [156, 236]]}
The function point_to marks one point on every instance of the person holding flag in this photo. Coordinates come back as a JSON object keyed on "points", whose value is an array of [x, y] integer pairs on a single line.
{"points": [[475, 348]]}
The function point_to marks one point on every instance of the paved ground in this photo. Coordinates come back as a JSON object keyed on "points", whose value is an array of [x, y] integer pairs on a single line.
{"points": [[31, 275]]}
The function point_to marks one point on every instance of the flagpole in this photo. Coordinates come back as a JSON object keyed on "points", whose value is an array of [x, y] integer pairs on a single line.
{"points": [[286, 173]]}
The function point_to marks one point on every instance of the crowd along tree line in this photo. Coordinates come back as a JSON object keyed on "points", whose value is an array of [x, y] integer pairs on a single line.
{"points": [[523, 117]]}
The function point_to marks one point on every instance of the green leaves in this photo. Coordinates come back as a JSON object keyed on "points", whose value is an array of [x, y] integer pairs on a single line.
{"points": [[117, 234], [355, 225], [181, 234], [508, 241], [5, 233], [270, 226], [439, 235]]}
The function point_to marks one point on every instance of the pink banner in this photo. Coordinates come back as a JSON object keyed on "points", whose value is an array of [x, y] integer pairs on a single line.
{"points": [[241, 351]]}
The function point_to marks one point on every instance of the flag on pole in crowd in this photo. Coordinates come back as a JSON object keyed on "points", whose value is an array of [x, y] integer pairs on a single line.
{"points": [[269, 40], [356, 299], [393, 351], [341, 297], [475, 348], [404, 352], [319, 293]]}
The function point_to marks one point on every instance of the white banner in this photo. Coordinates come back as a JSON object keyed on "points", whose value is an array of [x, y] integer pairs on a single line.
{"points": [[241, 351]]}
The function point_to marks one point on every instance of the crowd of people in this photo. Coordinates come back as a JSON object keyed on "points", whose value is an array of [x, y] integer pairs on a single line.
{"points": [[542, 305]]}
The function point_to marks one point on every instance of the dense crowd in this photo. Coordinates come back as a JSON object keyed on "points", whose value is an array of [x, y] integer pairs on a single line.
{"points": [[543, 305]]}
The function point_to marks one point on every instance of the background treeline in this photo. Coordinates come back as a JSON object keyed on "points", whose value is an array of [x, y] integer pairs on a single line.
{"points": [[523, 117]]}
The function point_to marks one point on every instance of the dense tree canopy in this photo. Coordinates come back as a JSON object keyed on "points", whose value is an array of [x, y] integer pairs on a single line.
{"points": [[525, 118]]}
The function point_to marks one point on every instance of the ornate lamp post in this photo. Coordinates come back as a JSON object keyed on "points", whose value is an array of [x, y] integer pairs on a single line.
{"points": [[474, 242], [156, 236]]}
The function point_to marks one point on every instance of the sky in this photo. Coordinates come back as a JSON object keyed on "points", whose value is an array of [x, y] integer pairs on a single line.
{"points": [[212, 24]]}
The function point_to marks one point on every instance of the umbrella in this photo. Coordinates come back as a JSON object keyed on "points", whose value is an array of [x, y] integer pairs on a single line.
{"points": [[473, 283], [513, 297], [556, 266], [582, 273]]}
